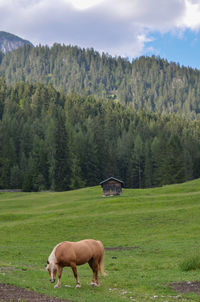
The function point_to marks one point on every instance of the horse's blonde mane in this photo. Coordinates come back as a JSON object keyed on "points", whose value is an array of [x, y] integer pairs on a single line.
{"points": [[52, 256]]}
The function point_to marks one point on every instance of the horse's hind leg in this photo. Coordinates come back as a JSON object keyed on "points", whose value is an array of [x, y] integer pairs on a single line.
{"points": [[94, 266], [74, 269]]}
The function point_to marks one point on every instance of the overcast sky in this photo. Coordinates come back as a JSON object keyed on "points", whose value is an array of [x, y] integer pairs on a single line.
{"points": [[129, 28]]}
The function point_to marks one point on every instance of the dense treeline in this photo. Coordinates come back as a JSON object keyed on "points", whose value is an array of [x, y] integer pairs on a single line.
{"points": [[58, 141], [147, 83]]}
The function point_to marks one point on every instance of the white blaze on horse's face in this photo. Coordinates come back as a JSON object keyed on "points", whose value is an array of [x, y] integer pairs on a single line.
{"points": [[52, 269]]}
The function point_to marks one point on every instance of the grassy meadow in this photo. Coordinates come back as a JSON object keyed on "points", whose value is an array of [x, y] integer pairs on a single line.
{"points": [[160, 226]]}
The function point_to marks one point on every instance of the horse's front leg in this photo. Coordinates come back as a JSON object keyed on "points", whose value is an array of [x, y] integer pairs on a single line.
{"points": [[73, 266], [59, 276]]}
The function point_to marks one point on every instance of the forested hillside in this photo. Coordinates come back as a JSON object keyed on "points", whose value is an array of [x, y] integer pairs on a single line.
{"points": [[53, 140], [146, 83]]}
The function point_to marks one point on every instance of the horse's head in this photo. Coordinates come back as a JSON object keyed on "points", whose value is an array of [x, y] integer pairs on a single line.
{"points": [[52, 269]]}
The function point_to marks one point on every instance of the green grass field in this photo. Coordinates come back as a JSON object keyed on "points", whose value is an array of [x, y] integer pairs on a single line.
{"points": [[162, 224]]}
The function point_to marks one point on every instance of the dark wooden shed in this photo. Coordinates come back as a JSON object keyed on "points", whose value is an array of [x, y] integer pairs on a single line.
{"points": [[112, 186]]}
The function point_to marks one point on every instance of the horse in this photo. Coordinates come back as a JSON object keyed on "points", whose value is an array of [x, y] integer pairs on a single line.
{"points": [[76, 253]]}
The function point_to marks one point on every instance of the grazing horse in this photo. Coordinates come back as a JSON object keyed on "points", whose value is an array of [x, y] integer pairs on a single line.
{"points": [[76, 253]]}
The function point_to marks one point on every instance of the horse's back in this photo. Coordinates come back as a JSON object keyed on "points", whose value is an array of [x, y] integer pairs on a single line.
{"points": [[65, 253], [79, 252], [91, 246], [100, 244], [95, 245]]}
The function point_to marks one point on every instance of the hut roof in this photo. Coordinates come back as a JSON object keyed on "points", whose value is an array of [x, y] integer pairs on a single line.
{"points": [[112, 178]]}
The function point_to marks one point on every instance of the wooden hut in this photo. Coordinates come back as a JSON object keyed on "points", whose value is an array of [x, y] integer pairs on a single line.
{"points": [[112, 186]]}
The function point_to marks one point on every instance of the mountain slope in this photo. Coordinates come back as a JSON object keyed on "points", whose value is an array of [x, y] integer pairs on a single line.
{"points": [[147, 83], [9, 42]]}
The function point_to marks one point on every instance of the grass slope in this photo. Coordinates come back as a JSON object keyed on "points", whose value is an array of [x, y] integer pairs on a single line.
{"points": [[162, 224]]}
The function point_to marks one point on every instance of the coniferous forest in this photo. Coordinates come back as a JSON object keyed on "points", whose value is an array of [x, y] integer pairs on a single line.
{"points": [[147, 83], [71, 117]]}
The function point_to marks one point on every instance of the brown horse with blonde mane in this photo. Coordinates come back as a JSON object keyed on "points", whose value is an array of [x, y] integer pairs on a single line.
{"points": [[76, 253]]}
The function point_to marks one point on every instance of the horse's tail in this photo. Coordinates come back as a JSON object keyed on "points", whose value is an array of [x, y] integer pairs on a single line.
{"points": [[101, 262]]}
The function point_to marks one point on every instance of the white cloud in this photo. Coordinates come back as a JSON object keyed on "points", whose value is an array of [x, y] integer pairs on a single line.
{"points": [[191, 17], [84, 4], [119, 27]]}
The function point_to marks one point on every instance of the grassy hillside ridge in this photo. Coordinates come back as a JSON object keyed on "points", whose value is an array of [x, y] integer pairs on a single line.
{"points": [[161, 225]]}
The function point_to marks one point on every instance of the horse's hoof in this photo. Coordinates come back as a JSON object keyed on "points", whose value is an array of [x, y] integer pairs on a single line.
{"points": [[56, 286], [93, 284], [78, 285]]}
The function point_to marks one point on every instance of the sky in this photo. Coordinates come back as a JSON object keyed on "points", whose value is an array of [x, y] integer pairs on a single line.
{"points": [[128, 28]]}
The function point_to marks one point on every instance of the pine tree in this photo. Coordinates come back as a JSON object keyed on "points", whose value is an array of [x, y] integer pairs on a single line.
{"points": [[62, 158]]}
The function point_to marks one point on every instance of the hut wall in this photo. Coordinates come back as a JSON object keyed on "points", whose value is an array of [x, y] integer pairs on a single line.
{"points": [[112, 187]]}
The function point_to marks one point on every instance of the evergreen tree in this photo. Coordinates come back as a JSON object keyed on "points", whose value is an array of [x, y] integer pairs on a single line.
{"points": [[62, 159]]}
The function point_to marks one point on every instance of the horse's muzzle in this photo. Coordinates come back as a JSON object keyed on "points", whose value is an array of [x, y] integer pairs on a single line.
{"points": [[52, 280]]}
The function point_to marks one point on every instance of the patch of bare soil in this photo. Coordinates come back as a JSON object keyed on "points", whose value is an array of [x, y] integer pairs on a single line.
{"points": [[10, 293], [186, 287]]}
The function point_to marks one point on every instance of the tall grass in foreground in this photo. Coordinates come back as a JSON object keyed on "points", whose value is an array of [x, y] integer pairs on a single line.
{"points": [[160, 226], [190, 263]]}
